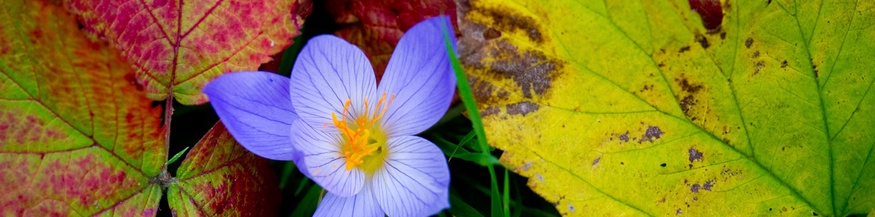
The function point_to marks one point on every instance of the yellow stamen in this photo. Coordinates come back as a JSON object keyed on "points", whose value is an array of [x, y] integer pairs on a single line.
{"points": [[362, 137]]}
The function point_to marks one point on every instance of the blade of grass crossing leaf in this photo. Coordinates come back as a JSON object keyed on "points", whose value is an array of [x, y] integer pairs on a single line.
{"points": [[479, 158], [176, 157], [464, 141], [506, 195], [474, 114], [287, 171]]}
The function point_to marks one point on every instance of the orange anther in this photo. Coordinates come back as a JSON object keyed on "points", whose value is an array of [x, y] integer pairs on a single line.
{"points": [[356, 135]]}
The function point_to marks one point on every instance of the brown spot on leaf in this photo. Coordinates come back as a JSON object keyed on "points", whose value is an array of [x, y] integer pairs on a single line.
{"points": [[506, 19], [708, 184], [695, 188], [527, 165], [723, 35], [759, 66], [687, 86], [596, 161], [748, 42], [521, 108], [687, 100], [702, 41], [491, 110], [695, 155], [502, 94], [652, 133], [491, 33], [756, 54], [480, 89], [784, 64], [531, 70], [498, 60], [647, 87], [624, 137], [687, 104], [684, 49]]}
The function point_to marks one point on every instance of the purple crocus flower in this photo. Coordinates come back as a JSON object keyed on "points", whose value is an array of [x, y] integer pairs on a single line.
{"points": [[354, 138]]}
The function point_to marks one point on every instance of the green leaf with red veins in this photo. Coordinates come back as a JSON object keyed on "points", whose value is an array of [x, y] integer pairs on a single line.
{"points": [[77, 136], [375, 26], [184, 44], [221, 178]]}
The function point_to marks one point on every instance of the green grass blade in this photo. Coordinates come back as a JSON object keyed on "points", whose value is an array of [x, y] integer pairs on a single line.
{"points": [[301, 186], [519, 199], [288, 168], [474, 114], [308, 204], [506, 194], [464, 141], [479, 158], [176, 156]]}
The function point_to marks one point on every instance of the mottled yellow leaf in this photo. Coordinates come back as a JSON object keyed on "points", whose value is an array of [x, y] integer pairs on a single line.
{"points": [[633, 108]]}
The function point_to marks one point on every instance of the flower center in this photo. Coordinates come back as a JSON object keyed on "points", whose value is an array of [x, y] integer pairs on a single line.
{"points": [[364, 144]]}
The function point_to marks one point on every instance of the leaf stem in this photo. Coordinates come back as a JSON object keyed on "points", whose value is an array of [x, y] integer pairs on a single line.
{"points": [[168, 112]]}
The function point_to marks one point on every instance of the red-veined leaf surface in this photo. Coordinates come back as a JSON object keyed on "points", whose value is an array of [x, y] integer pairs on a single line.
{"points": [[375, 26], [185, 44], [221, 178], [77, 137]]}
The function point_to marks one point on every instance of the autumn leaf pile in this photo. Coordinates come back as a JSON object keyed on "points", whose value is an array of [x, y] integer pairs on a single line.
{"points": [[605, 108]]}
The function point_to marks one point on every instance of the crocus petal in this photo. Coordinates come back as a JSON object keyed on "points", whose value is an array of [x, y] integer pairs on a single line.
{"points": [[421, 77], [414, 180], [328, 72], [323, 162], [257, 110], [360, 205]]}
